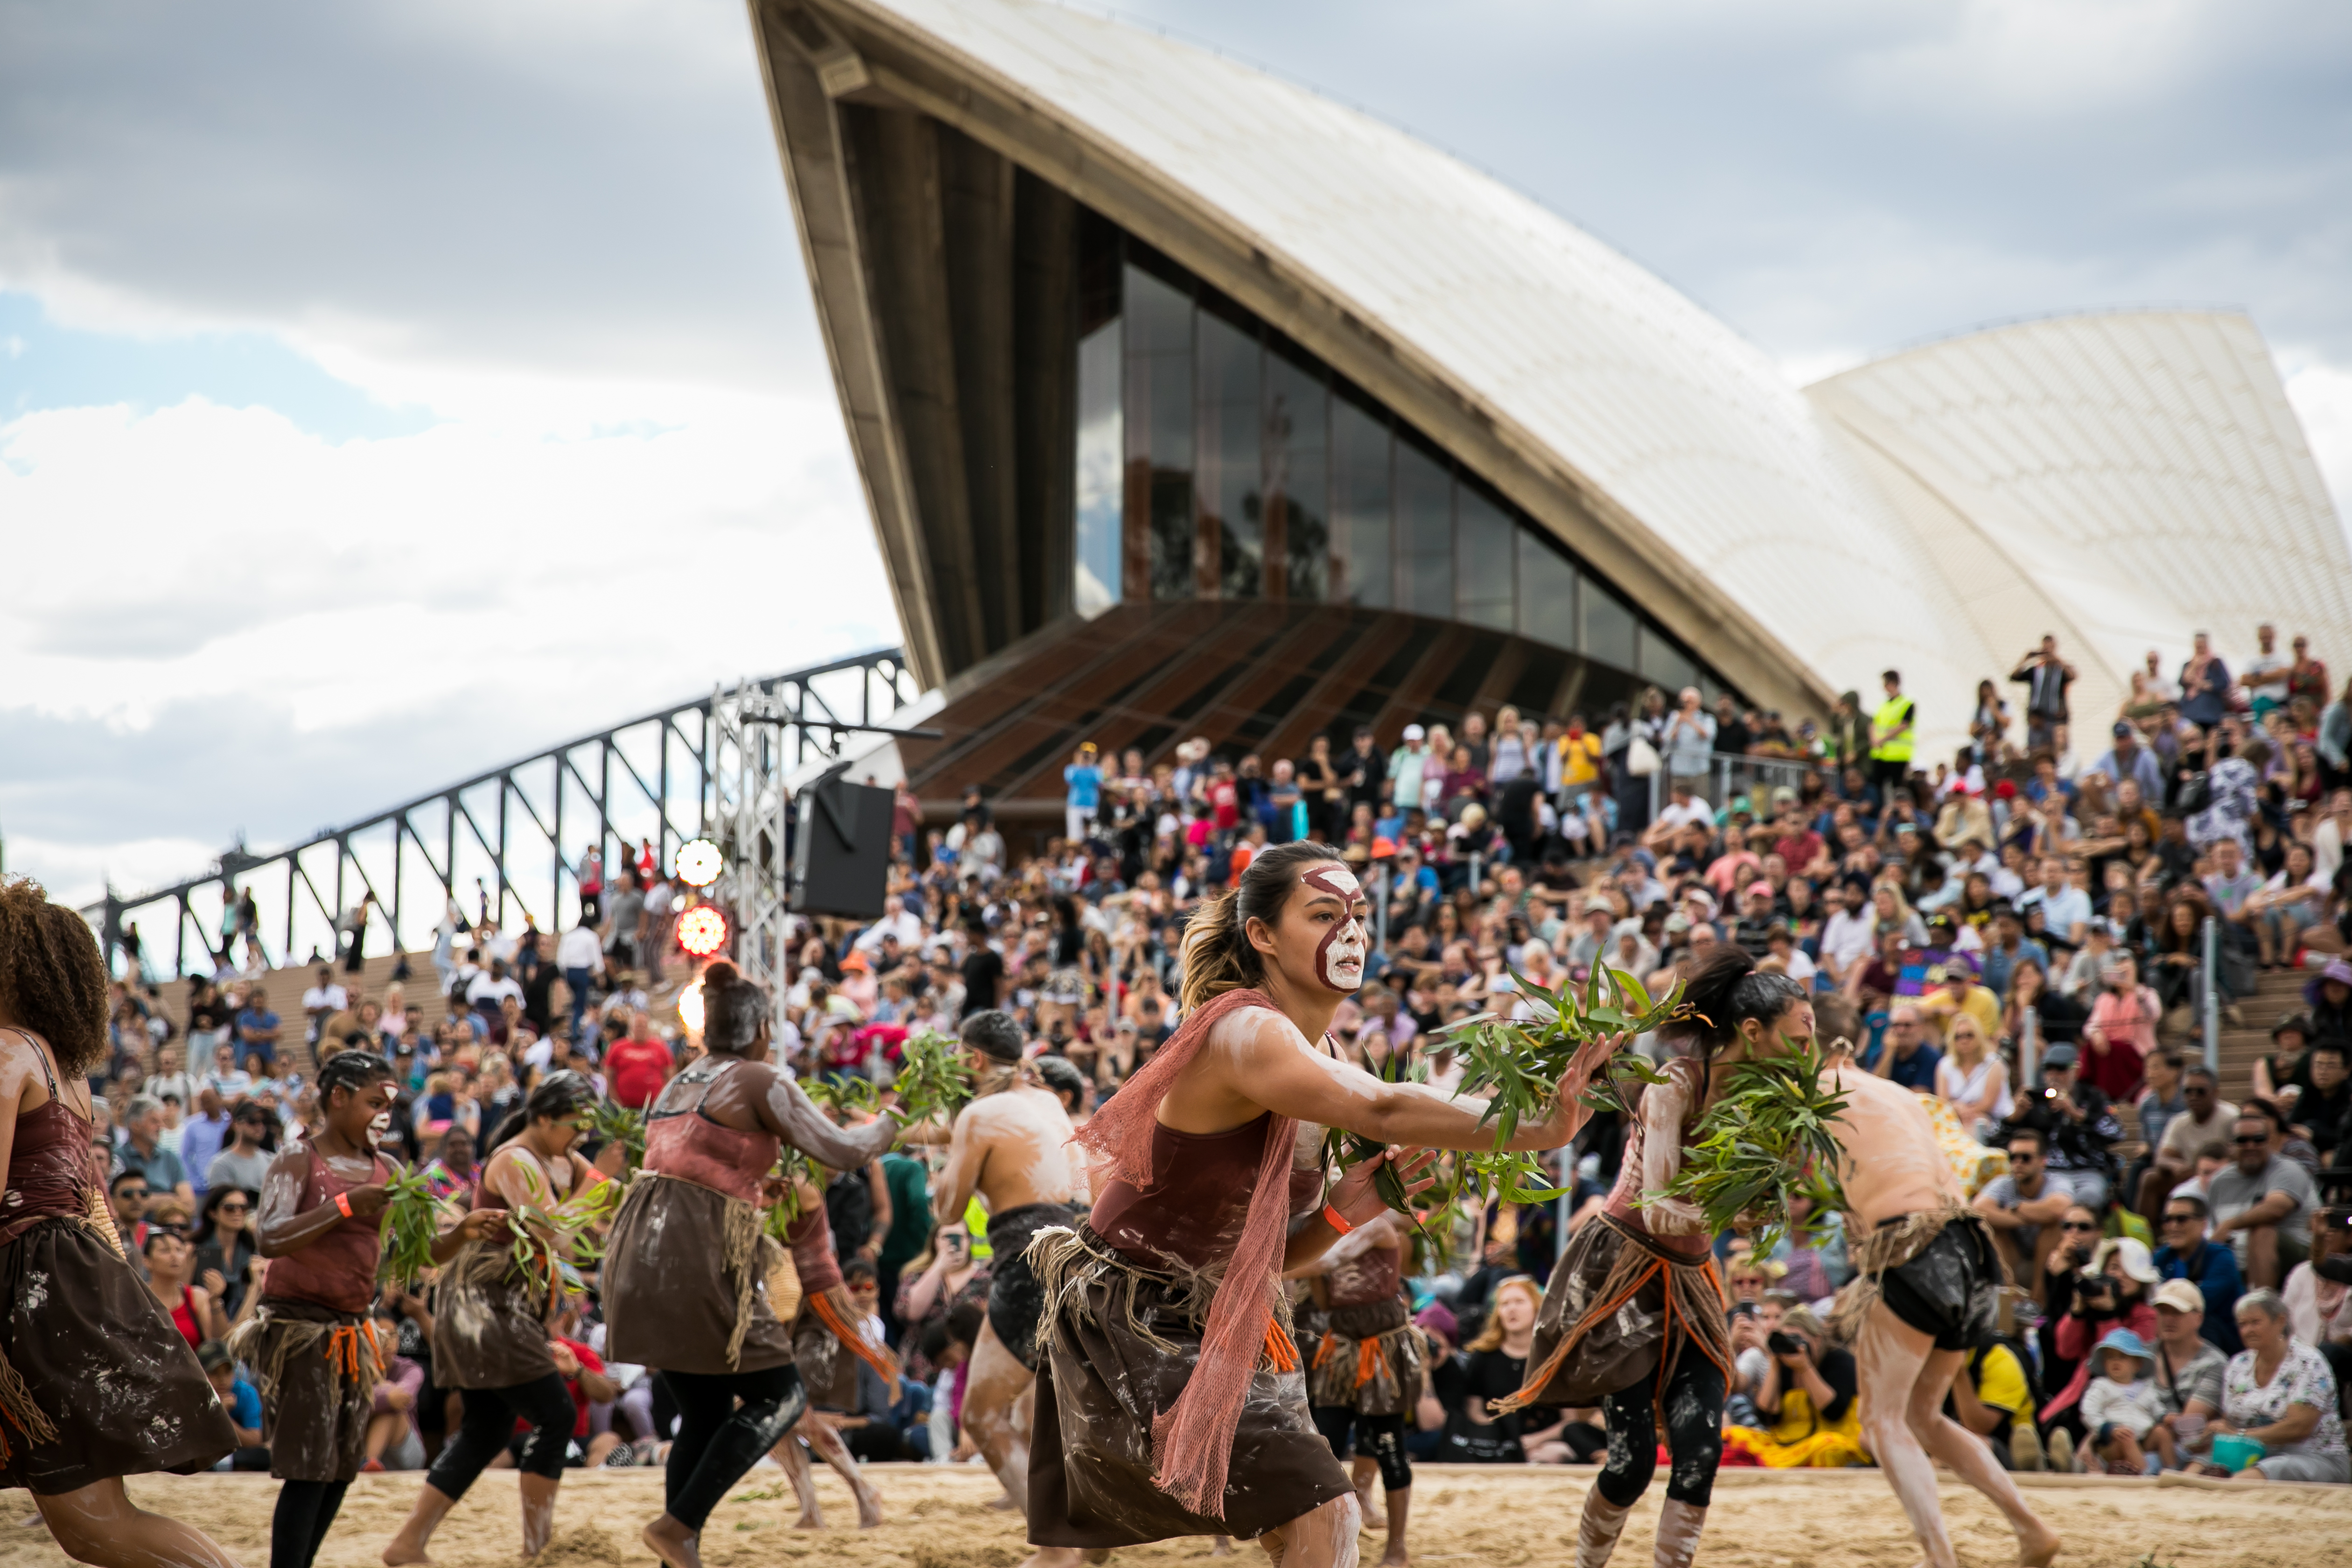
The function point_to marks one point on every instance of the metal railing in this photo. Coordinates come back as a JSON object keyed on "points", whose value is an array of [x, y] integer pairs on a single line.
{"points": [[1731, 775], [518, 833], [2209, 998]]}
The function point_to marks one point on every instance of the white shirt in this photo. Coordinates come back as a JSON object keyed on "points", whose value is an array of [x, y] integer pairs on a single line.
{"points": [[906, 925], [1847, 937], [580, 949], [485, 989], [327, 998], [1693, 813]]}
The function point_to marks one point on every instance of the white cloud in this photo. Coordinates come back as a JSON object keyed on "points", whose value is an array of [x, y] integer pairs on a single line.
{"points": [[2064, 58]]}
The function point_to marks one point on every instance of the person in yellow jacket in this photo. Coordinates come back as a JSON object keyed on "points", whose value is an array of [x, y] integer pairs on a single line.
{"points": [[1893, 730], [1811, 1395]]}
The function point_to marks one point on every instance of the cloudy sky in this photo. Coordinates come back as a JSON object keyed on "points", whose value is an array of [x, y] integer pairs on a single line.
{"points": [[386, 391]]}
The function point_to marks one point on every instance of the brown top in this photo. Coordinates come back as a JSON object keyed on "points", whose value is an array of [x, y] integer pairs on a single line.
{"points": [[337, 1270], [811, 1238], [49, 1166], [1194, 1213], [1374, 1275], [1621, 1203]]}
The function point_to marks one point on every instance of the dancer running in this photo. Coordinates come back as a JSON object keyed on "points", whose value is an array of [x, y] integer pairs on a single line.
{"points": [[1634, 1320], [1170, 1400], [1011, 1146], [311, 1342], [828, 1343], [490, 1339], [1363, 1376], [95, 1382], [1928, 1283], [686, 1273]]}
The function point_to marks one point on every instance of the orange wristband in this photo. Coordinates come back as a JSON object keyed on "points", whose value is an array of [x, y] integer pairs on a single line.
{"points": [[344, 1201], [1332, 1218]]}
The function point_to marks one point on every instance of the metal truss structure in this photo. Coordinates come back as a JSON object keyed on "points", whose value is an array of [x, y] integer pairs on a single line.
{"points": [[509, 845]]}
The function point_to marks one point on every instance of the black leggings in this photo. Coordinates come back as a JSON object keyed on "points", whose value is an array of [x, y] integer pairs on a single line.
{"points": [[1693, 1405], [490, 1416], [717, 1440], [298, 1528], [1380, 1438]]}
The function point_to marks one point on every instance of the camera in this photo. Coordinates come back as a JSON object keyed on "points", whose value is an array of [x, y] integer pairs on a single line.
{"points": [[1743, 1309], [1780, 1344]]}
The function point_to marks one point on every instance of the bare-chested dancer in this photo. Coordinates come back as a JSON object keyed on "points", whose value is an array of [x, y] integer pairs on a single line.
{"points": [[1170, 1399], [1929, 1284], [95, 1382], [1364, 1374], [1011, 1144]]}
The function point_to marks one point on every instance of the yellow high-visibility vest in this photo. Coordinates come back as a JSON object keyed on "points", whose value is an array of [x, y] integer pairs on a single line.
{"points": [[1894, 711]]}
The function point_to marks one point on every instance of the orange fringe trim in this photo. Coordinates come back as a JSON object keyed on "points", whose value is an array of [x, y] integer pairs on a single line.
{"points": [[1599, 1312], [1280, 1350], [830, 1315], [343, 1344]]}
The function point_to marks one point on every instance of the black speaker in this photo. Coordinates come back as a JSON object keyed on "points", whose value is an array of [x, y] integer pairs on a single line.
{"points": [[841, 849]]}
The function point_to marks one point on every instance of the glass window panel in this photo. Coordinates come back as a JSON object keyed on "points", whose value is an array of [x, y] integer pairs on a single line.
{"points": [[1664, 663], [1228, 474], [1297, 419], [1482, 564], [1547, 592], [1159, 428], [1361, 570], [1609, 625], [1424, 525], [1095, 583]]}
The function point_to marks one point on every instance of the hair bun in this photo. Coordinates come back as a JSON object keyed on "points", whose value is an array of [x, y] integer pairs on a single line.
{"points": [[720, 973]]}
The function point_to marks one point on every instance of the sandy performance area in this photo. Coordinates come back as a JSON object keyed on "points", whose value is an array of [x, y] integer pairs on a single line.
{"points": [[938, 1518]]}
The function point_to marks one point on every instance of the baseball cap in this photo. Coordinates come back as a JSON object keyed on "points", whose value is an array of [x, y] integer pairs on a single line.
{"points": [[212, 1355], [1414, 732], [1598, 904], [2180, 1296], [1783, 793], [2059, 1056], [2121, 728]]}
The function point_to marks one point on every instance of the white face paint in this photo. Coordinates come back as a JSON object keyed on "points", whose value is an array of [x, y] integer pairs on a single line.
{"points": [[1339, 959], [381, 1128]]}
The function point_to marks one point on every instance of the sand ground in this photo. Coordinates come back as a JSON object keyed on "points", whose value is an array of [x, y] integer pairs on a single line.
{"points": [[938, 1518]]}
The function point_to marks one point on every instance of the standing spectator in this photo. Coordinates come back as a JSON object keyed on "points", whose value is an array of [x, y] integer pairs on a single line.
{"points": [[257, 1030], [580, 955], [639, 1063], [2046, 678], [1082, 797], [2262, 1203], [1894, 731], [1405, 771], [2187, 1254], [2204, 686], [2265, 678], [908, 1238], [621, 927], [1688, 743]]}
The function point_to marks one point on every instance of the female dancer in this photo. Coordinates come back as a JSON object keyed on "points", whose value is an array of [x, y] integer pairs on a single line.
{"points": [[826, 1347], [1364, 1376], [311, 1342], [1169, 1366], [1635, 1318], [95, 1382], [685, 1274], [490, 1327]]}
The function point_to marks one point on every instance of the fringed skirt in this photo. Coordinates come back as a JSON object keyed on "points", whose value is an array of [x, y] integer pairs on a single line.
{"points": [[1619, 1306], [827, 1345], [1119, 1343], [316, 1370], [1937, 1269], [1368, 1360], [489, 1321], [95, 1381], [692, 1285]]}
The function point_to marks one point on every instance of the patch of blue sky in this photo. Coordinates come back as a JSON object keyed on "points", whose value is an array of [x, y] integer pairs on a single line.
{"points": [[44, 365]]}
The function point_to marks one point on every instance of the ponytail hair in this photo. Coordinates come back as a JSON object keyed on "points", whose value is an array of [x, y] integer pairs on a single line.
{"points": [[1218, 956], [733, 1007], [1724, 992], [558, 1095]]}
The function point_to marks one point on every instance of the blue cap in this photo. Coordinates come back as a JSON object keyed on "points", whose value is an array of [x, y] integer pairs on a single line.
{"points": [[2130, 1343]]}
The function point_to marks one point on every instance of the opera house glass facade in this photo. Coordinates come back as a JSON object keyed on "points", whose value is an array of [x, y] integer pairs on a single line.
{"points": [[1217, 459]]}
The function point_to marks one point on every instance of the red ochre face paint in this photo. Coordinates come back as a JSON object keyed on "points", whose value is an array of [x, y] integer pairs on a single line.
{"points": [[1346, 934]]}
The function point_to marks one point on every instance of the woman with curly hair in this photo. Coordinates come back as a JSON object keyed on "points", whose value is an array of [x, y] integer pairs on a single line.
{"points": [[75, 1317]]}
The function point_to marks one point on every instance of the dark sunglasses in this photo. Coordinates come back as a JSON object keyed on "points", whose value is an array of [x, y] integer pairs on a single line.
{"points": [[135, 1193], [2244, 1143], [2076, 1225], [233, 1209], [2180, 1218]]}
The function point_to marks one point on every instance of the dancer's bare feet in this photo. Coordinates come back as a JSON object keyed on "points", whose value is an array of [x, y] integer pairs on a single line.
{"points": [[2036, 1546], [1060, 1557], [870, 1505], [400, 1550], [672, 1542]]}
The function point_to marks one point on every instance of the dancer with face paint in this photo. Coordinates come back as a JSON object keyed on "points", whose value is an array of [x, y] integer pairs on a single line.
{"points": [[1170, 1398], [95, 1382], [1364, 1374], [1926, 1287], [686, 1273], [1635, 1318], [490, 1327], [1011, 1146], [310, 1340]]}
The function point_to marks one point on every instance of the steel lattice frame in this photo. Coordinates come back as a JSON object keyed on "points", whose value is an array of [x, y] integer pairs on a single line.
{"points": [[521, 831]]}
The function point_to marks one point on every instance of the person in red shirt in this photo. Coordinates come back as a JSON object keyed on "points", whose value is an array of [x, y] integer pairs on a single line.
{"points": [[637, 1065]]}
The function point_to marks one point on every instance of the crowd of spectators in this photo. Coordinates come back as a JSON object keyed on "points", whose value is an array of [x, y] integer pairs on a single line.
{"points": [[2016, 933]]}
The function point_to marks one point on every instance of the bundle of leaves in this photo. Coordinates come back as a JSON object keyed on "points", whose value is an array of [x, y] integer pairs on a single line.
{"points": [[1767, 1140], [844, 1095], [553, 1240], [620, 1124], [792, 1167], [412, 1218], [932, 1081]]}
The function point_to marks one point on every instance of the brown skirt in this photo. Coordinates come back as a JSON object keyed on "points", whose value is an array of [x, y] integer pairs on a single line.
{"points": [[317, 1370], [1120, 1343], [112, 1387], [1598, 1331], [685, 1283], [489, 1324], [1368, 1360]]}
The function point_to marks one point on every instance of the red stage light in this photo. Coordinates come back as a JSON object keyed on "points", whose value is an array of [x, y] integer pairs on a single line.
{"points": [[702, 931]]}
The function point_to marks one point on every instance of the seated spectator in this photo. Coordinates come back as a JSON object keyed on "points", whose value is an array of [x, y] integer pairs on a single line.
{"points": [[2121, 1405], [2204, 1118], [2213, 1269], [242, 1401], [2280, 1392], [1973, 1080], [2318, 1293], [1492, 1366], [225, 1255], [2111, 1293], [1751, 1330], [1992, 1396], [1809, 1394], [2188, 1367], [2323, 1112], [245, 1161], [2019, 1204], [2122, 1029], [393, 1442], [2262, 1203], [1908, 1060], [2077, 1126], [1430, 1415]]}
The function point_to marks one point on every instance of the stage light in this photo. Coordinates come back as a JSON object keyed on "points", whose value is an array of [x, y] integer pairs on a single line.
{"points": [[702, 931], [689, 1008], [698, 862]]}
